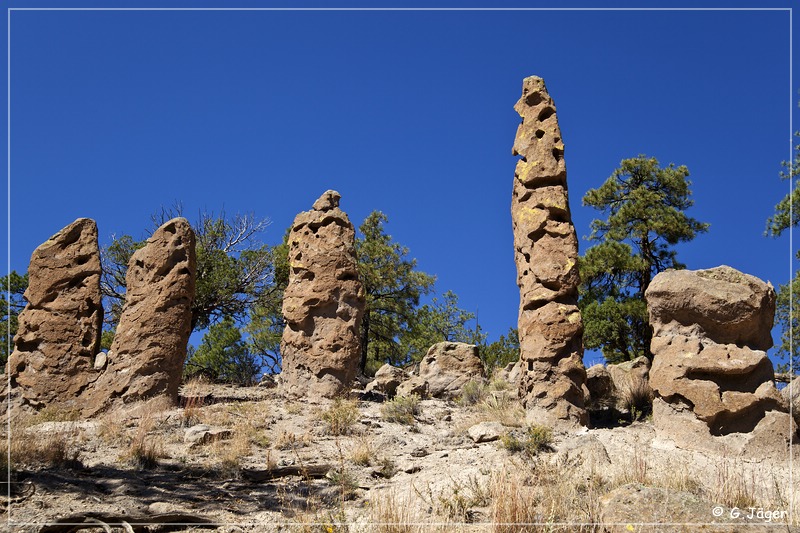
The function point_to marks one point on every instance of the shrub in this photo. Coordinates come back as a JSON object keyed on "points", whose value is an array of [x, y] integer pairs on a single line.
{"points": [[636, 397], [534, 440], [471, 393], [340, 417], [402, 409]]}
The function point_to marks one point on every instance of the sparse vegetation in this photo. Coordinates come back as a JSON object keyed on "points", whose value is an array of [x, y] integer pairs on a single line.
{"points": [[145, 448], [340, 417], [363, 453], [635, 397], [534, 440], [402, 409], [472, 392]]}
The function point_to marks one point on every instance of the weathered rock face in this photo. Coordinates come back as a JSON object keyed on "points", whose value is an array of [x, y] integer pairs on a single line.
{"points": [[720, 304], [599, 383], [59, 329], [323, 303], [546, 252], [448, 366], [147, 355], [386, 380], [709, 329]]}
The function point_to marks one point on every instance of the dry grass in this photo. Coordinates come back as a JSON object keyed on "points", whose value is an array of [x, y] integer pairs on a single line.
{"points": [[636, 397], [402, 409], [538, 496], [393, 512], [340, 417], [637, 470], [111, 429], [146, 447], [229, 455], [458, 500], [54, 413], [363, 452], [496, 406], [533, 440], [290, 441], [55, 449]]}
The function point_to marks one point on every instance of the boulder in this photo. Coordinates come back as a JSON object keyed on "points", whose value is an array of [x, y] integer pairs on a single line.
{"points": [[630, 371], [546, 253], [149, 348], [707, 371], [602, 392], [511, 373], [485, 431], [386, 380], [58, 336], [448, 366], [635, 507], [720, 304], [323, 303], [201, 434], [413, 385]]}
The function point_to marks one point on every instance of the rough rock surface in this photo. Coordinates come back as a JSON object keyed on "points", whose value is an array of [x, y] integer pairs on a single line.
{"points": [[323, 303], [512, 373], [602, 392], [720, 304], [704, 365], [634, 506], [414, 385], [448, 366], [59, 329], [546, 252], [386, 380], [486, 431], [791, 395], [624, 373], [147, 355]]}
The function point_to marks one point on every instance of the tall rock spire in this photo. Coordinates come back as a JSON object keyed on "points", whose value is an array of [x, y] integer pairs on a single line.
{"points": [[323, 303], [546, 253]]}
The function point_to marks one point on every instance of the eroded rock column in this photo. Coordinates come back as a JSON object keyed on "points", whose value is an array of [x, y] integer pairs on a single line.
{"points": [[710, 373], [323, 303], [59, 329], [149, 349], [546, 252]]}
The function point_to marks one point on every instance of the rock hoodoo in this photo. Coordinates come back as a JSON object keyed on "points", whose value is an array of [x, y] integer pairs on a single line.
{"points": [[546, 252], [147, 355], [710, 328], [323, 303], [59, 329]]}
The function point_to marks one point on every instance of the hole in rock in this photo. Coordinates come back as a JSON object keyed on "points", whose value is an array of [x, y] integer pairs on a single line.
{"points": [[533, 99], [546, 113]]}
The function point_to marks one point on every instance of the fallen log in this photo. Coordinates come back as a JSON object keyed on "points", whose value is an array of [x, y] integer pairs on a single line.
{"points": [[308, 471], [134, 523]]}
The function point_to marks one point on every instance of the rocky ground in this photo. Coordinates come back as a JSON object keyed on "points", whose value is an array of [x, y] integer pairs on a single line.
{"points": [[244, 459]]}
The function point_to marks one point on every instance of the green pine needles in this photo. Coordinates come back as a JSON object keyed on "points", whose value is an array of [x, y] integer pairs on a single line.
{"points": [[644, 207]]}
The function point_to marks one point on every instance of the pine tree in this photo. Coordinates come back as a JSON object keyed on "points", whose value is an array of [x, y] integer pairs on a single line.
{"points": [[644, 205]]}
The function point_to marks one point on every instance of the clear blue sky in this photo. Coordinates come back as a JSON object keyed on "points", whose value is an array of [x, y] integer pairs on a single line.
{"points": [[116, 113]]}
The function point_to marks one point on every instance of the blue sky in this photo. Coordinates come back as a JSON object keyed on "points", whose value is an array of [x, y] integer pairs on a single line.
{"points": [[116, 113]]}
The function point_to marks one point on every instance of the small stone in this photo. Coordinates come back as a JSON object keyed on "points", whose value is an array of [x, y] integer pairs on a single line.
{"points": [[100, 361], [419, 452], [201, 434], [486, 431]]}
